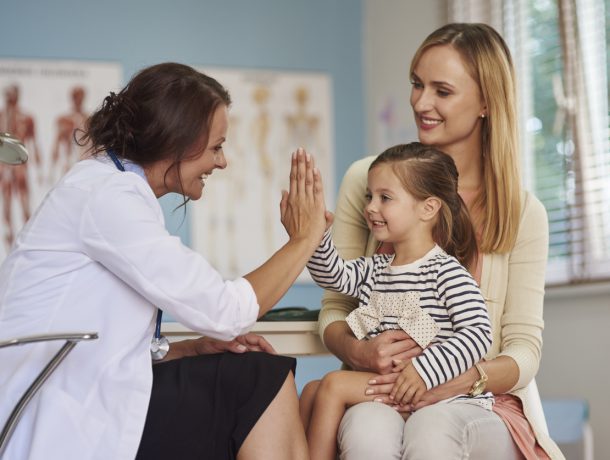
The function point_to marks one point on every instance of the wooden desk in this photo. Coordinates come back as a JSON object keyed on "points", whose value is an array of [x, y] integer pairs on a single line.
{"points": [[295, 338]]}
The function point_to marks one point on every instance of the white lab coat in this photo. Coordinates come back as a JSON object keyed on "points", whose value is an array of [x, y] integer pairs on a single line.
{"points": [[96, 257]]}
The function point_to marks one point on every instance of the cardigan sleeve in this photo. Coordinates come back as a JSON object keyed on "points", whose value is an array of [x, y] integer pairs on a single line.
{"points": [[350, 236], [521, 322], [122, 229]]}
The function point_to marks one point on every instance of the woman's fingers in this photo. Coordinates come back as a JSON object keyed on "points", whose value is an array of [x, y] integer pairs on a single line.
{"points": [[283, 204], [309, 175], [383, 379], [379, 390], [302, 208], [255, 342], [303, 161]]}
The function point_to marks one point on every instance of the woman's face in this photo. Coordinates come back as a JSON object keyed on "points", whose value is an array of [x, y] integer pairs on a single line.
{"points": [[447, 102], [203, 159]]}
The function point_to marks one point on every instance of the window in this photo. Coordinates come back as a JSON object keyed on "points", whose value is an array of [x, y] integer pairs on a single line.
{"points": [[561, 50]]}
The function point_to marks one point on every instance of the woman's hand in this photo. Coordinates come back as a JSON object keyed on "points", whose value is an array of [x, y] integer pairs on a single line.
{"points": [[207, 345], [241, 344], [302, 208], [381, 386], [377, 354], [304, 216], [255, 342]]}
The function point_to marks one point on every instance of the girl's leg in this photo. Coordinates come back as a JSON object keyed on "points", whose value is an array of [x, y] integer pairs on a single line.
{"points": [[280, 423], [306, 402], [337, 391]]}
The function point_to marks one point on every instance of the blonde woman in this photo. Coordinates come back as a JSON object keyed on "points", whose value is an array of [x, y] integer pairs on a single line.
{"points": [[463, 100]]}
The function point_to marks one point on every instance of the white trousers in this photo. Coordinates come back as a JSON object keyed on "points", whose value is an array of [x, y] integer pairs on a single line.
{"points": [[438, 432]]}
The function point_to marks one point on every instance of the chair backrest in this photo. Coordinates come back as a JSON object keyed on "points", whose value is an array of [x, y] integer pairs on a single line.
{"points": [[71, 339]]}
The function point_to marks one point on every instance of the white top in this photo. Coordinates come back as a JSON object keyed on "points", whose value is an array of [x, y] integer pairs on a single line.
{"points": [[434, 299], [96, 257]]}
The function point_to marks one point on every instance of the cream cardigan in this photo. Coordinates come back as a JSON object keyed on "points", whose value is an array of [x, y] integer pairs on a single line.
{"points": [[512, 285]]}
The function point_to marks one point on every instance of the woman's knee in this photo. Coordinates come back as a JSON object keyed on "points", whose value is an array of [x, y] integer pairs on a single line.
{"points": [[370, 430], [452, 431], [431, 431]]}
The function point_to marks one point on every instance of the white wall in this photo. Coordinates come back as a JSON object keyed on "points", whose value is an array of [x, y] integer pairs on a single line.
{"points": [[576, 354], [393, 29]]}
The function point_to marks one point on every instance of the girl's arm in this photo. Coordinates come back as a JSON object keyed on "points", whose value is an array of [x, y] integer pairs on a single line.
{"points": [[471, 337], [350, 236], [332, 272]]}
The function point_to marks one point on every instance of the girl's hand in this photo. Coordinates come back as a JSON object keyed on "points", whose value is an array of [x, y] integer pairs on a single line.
{"points": [[409, 386], [459, 385]]}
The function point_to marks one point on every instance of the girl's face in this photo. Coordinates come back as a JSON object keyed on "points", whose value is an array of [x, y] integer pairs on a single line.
{"points": [[447, 102], [203, 159], [391, 213]]}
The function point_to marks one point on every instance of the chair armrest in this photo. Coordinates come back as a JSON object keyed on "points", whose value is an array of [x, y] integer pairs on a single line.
{"points": [[71, 339]]}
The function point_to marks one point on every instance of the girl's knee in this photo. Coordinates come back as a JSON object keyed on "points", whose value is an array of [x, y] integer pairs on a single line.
{"points": [[310, 389], [331, 383]]}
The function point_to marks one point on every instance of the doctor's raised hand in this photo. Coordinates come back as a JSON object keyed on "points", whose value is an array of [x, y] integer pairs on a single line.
{"points": [[302, 209]]}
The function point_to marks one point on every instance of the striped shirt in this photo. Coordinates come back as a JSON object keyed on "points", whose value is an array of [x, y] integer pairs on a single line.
{"points": [[446, 292]]}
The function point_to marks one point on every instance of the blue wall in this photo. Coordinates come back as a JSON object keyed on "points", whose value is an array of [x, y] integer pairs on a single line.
{"points": [[319, 35]]}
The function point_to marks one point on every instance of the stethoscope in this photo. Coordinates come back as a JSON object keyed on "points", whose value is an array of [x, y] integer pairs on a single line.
{"points": [[159, 345]]}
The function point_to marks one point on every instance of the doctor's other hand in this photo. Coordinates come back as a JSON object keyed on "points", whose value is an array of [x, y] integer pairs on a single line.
{"points": [[241, 344]]}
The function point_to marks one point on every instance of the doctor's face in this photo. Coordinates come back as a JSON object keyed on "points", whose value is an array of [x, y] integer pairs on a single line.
{"points": [[204, 159]]}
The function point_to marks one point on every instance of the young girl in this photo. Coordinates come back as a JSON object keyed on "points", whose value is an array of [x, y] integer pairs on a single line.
{"points": [[423, 288]]}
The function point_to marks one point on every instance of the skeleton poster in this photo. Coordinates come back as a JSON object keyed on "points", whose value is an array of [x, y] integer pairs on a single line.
{"points": [[236, 225], [43, 102]]}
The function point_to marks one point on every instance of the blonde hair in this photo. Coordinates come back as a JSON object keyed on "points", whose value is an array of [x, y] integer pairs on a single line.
{"points": [[488, 60]]}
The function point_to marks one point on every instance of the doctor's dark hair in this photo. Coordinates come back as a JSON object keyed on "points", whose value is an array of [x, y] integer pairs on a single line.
{"points": [[426, 172], [160, 115]]}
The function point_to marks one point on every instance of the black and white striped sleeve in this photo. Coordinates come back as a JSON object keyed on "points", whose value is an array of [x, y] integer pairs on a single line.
{"points": [[471, 337], [332, 272]]}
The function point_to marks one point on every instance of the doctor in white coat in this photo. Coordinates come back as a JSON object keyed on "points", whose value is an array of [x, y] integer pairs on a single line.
{"points": [[96, 256]]}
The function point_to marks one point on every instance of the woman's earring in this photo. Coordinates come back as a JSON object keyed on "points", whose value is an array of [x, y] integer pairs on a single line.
{"points": [[482, 115]]}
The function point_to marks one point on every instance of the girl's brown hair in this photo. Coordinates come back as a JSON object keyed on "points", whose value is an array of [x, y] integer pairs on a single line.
{"points": [[425, 172]]}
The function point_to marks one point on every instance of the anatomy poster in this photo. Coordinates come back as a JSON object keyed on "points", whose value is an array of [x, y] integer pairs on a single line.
{"points": [[42, 102], [236, 226]]}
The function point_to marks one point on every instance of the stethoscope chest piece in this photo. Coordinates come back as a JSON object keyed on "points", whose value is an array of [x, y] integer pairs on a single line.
{"points": [[159, 346]]}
